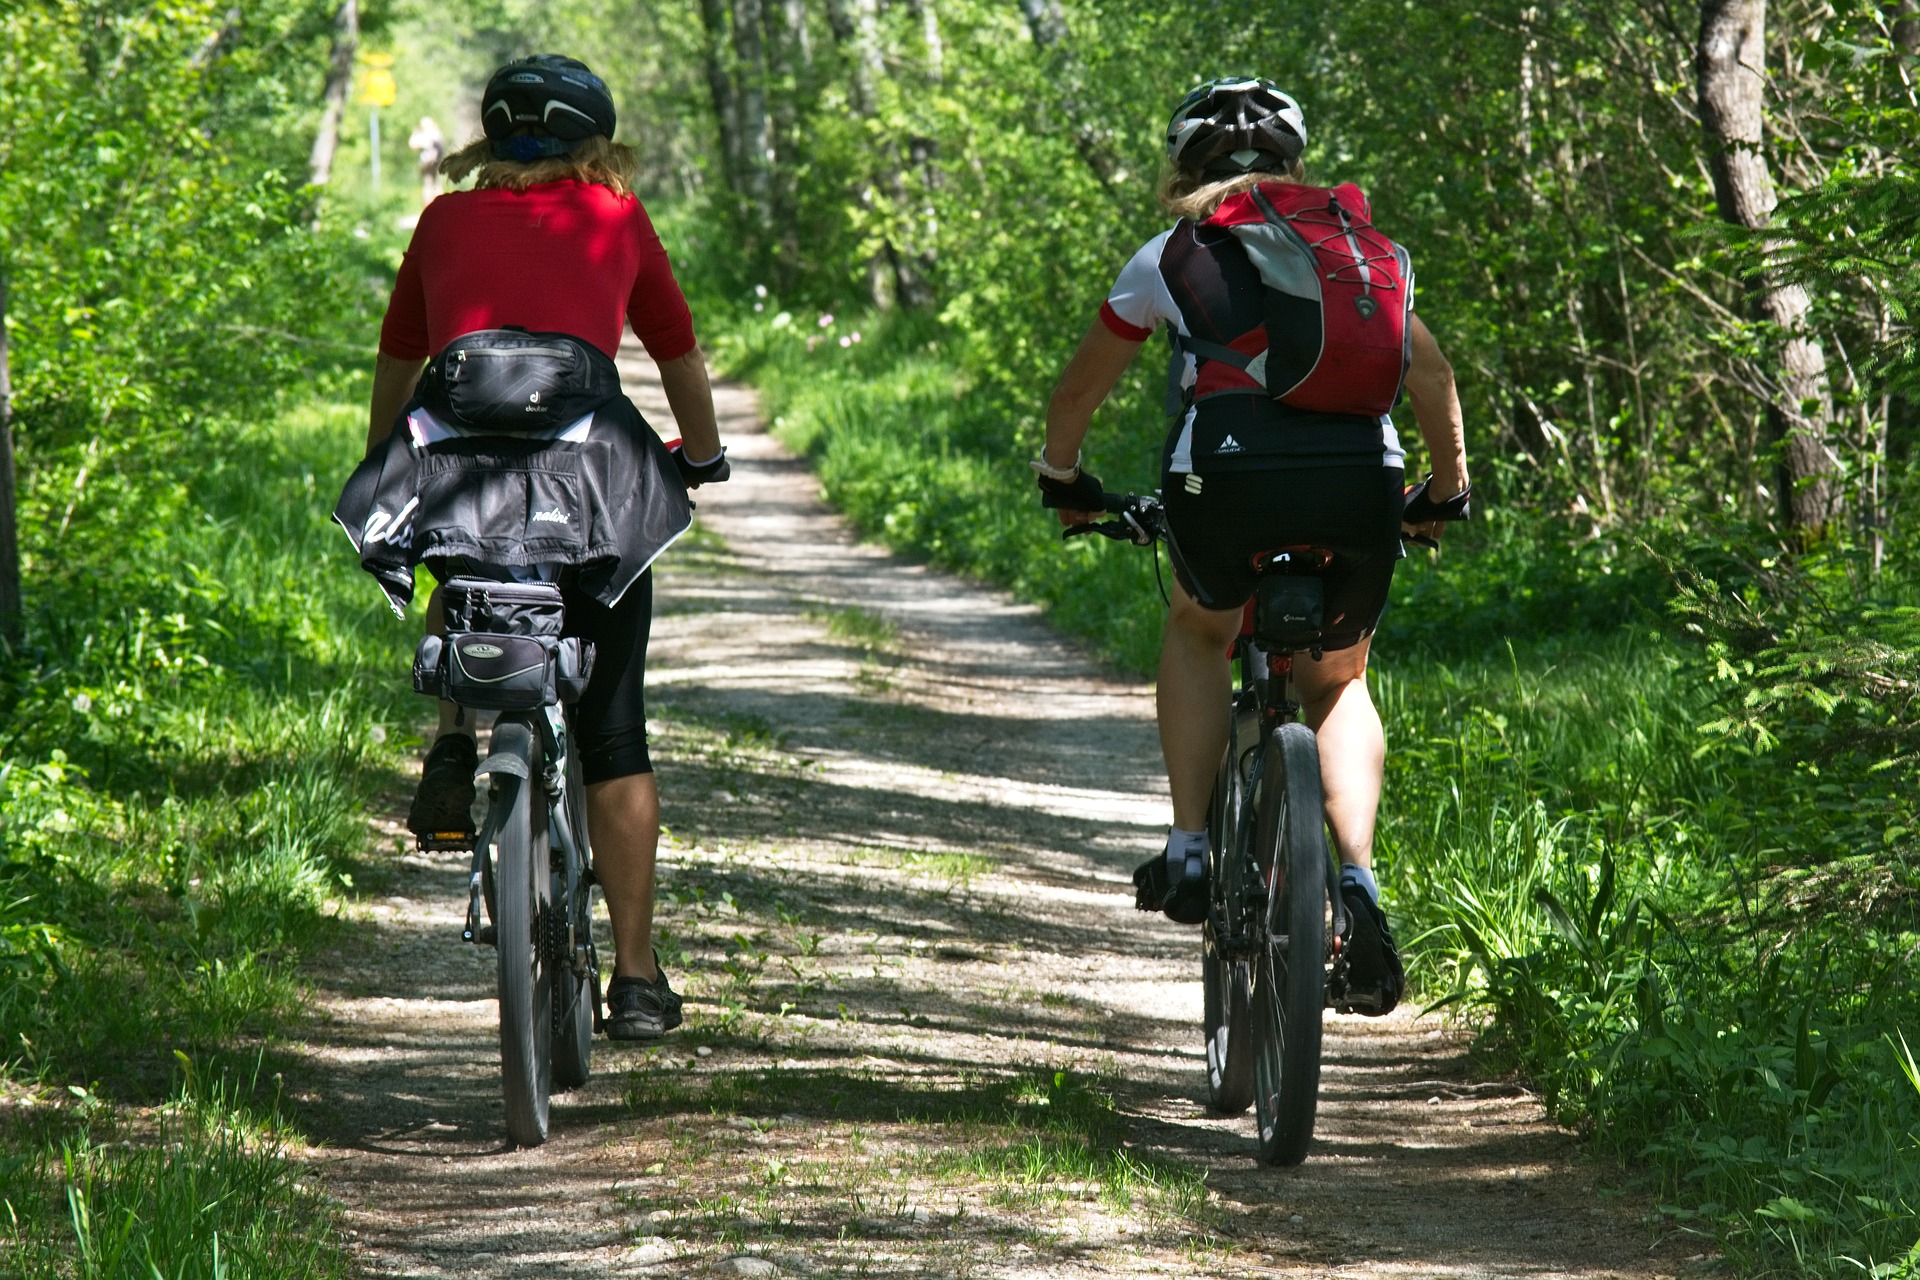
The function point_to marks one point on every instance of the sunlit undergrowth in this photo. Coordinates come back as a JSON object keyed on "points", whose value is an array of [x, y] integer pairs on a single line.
{"points": [[197, 1189], [202, 702], [1651, 825]]}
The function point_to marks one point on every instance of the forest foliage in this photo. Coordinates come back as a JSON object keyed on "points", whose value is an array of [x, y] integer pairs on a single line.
{"points": [[1649, 806], [1650, 812]]}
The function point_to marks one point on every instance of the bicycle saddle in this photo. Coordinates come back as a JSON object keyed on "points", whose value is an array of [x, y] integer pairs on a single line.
{"points": [[1297, 559]]}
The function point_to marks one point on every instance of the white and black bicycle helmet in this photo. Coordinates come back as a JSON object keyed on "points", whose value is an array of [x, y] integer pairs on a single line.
{"points": [[545, 105], [1236, 125]]}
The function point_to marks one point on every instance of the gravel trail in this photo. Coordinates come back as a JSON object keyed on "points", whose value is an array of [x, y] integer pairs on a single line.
{"points": [[927, 1033]]}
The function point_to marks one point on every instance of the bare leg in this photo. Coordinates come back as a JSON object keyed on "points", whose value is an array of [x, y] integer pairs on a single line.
{"points": [[624, 816], [1195, 682], [1353, 747]]}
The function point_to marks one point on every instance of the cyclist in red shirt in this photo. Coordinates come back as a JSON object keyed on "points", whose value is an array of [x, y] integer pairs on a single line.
{"points": [[1244, 472], [552, 239]]}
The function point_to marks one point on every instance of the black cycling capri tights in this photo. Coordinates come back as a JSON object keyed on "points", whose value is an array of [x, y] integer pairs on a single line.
{"points": [[610, 722], [1352, 511]]}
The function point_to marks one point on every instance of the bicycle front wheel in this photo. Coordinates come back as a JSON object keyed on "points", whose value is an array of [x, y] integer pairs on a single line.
{"points": [[1289, 975], [524, 882], [1225, 976]]}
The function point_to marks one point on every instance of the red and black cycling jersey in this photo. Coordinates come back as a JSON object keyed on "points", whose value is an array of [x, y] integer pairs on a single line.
{"points": [[559, 257], [1198, 281]]}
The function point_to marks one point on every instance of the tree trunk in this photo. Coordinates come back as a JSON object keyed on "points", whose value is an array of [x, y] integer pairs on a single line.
{"points": [[211, 48], [1730, 73], [726, 110], [789, 82], [1905, 17], [346, 39], [9, 522], [797, 44], [930, 38], [756, 126], [1045, 21], [891, 274]]}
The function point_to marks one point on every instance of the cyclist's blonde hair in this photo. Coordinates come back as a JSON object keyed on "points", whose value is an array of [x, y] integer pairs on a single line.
{"points": [[597, 160], [1186, 194]]}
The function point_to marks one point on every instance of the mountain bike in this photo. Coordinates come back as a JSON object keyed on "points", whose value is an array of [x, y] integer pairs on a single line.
{"points": [[1271, 944], [530, 884]]}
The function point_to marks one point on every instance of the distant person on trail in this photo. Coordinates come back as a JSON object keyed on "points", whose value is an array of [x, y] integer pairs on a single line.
{"points": [[552, 239], [430, 145], [1250, 464]]}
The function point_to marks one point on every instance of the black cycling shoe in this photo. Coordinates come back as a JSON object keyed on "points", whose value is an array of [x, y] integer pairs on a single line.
{"points": [[1184, 902], [1375, 979], [444, 801], [641, 1010]]}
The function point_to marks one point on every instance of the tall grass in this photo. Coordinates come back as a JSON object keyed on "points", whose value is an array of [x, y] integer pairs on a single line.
{"points": [[1698, 946], [202, 1191], [207, 696]]}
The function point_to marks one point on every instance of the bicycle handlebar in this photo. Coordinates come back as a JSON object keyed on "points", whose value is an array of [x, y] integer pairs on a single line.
{"points": [[1142, 520]]}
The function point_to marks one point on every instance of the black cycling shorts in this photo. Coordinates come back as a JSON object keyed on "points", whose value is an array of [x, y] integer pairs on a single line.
{"points": [[1351, 511], [610, 722]]}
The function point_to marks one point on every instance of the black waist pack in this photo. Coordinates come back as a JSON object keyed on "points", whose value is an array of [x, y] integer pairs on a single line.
{"points": [[503, 650], [509, 380]]}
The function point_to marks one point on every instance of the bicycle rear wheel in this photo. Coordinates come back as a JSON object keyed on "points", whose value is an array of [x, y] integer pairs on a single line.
{"points": [[524, 887], [573, 994], [1226, 978], [1289, 971]]}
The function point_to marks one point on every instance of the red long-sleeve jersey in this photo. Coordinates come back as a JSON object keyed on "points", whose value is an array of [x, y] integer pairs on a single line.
{"points": [[561, 257]]}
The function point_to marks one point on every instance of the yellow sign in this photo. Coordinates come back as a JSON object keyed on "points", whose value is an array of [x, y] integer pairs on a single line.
{"points": [[377, 88]]}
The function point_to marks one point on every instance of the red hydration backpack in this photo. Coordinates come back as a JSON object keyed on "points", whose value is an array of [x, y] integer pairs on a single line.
{"points": [[1338, 297]]}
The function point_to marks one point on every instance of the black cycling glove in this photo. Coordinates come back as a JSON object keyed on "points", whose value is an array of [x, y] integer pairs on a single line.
{"points": [[1420, 508], [1082, 493], [712, 471]]}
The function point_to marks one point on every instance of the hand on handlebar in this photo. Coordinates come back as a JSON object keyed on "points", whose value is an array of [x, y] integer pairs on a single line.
{"points": [[1079, 501], [1424, 518], [694, 474]]}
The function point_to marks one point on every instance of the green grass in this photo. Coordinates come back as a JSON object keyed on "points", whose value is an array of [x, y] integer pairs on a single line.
{"points": [[1700, 946], [198, 1189], [207, 697]]}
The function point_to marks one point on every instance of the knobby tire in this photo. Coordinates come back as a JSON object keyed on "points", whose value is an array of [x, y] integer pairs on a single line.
{"points": [[1226, 981], [524, 889], [573, 995], [1289, 980]]}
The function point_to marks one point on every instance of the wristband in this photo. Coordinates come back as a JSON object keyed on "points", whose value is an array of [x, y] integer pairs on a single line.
{"points": [[1064, 475]]}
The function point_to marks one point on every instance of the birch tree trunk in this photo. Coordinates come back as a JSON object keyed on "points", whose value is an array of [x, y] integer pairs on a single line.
{"points": [[346, 39], [756, 125], [1730, 74], [9, 519], [930, 37], [789, 83], [726, 111], [1045, 22]]}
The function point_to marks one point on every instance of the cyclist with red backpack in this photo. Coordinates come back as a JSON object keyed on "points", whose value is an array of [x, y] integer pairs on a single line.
{"points": [[1293, 334]]}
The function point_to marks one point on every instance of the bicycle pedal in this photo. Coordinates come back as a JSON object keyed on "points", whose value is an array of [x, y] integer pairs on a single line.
{"points": [[444, 841], [484, 936]]}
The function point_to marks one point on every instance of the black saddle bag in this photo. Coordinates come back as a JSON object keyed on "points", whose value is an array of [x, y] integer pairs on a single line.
{"points": [[1289, 611], [503, 650], [510, 381]]}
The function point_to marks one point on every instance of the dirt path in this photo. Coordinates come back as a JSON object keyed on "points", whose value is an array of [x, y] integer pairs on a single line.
{"points": [[927, 1034]]}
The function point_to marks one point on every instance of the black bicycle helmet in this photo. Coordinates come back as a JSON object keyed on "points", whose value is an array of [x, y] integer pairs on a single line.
{"points": [[1236, 125], [545, 105]]}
